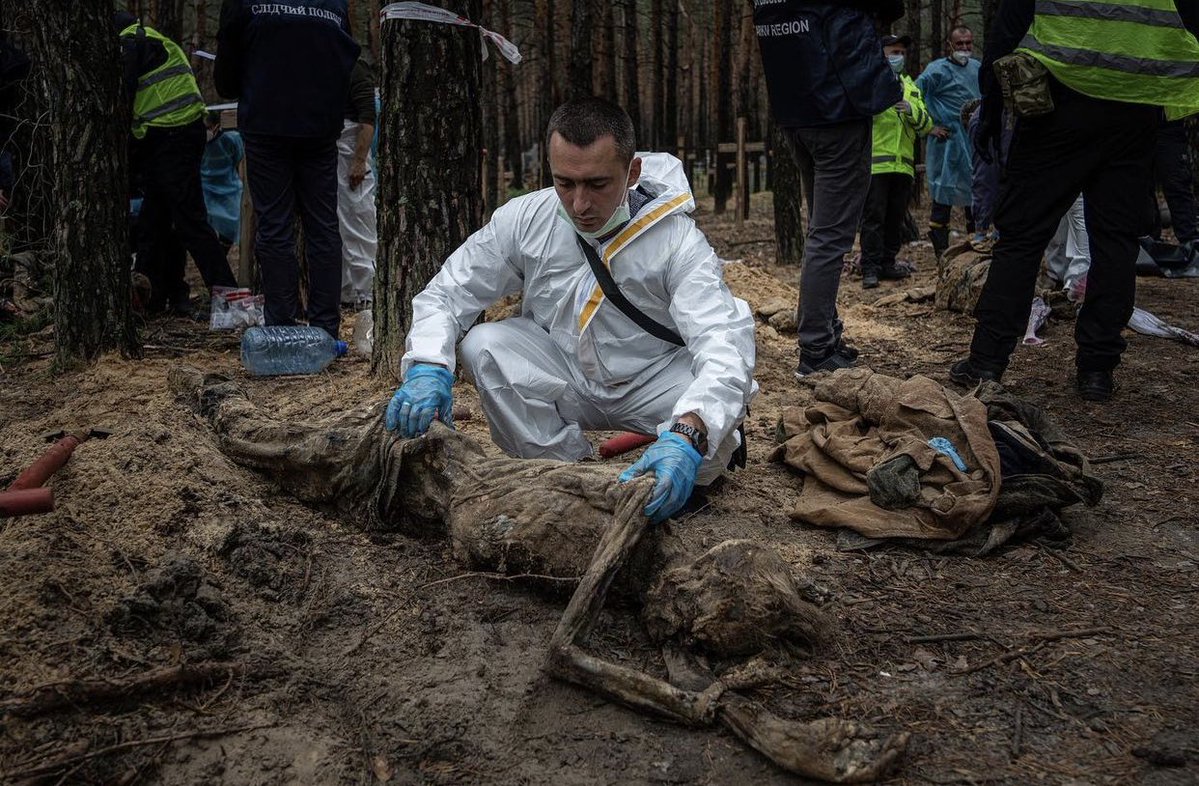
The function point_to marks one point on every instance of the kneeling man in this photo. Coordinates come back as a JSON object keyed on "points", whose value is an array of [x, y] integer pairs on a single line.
{"points": [[661, 346]]}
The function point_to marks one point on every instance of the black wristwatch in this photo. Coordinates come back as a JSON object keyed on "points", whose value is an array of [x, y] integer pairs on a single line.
{"points": [[699, 440]]}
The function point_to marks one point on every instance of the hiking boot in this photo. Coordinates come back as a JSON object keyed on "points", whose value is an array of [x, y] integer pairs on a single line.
{"points": [[831, 362], [894, 272], [967, 374], [1095, 385], [869, 279], [940, 240]]}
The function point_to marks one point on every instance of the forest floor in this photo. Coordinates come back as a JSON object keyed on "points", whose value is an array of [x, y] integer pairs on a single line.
{"points": [[367, 658]]}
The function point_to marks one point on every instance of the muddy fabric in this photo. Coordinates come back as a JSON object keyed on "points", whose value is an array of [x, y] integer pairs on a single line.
{"points": [[860, 423], [960, 280], [737, 599]]}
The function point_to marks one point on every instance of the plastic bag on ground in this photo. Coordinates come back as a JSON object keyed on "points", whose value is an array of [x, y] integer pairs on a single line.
{"points": [[234, 308]]}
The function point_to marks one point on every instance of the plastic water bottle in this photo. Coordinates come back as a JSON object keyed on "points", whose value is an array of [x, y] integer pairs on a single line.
{"points": [[269, 351]]}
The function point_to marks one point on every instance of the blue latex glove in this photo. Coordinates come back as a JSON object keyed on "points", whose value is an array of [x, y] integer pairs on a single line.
{"points": [[675, 464], [426, 394]]}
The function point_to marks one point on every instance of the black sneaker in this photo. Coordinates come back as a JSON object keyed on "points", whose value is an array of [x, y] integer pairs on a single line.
{"points": [[830, 362], [869, 279], [1095, 385], [847, 350], [966, 374], [894, 272]]}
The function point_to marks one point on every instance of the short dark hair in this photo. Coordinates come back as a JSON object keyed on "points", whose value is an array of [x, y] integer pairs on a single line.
{"points": [[959, 29], [581, 121]]}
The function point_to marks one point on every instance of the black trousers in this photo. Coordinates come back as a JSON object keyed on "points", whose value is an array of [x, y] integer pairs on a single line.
{"points": [[882, 219], [1172, 170], [289, 175], [938, 216], [1105, 150], [174, 219]]}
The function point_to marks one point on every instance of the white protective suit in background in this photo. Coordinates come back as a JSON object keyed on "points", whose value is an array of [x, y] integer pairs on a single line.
{"points": [[572, 361], [356, 220], [1068, 255]]}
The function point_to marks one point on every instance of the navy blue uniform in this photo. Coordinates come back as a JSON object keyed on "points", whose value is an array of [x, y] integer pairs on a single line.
{"points": [[288, 64]]}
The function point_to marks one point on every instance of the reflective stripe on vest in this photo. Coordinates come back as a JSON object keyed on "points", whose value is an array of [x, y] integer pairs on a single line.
{"points": [[1135, 51], [168, 96]]}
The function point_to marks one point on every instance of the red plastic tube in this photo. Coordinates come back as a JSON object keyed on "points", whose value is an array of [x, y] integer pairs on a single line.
{"points": [[26, 502], [623, 443], [47, 464]]}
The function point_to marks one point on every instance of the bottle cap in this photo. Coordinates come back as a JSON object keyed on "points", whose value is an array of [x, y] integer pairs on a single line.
{"points": [[340, 348]]}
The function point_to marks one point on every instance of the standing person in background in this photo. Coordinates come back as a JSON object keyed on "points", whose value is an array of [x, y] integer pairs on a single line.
{"points": [[356, 190], [1109, 76], [1172, 171], [288, 64], [891, 172], [222, 183], [168, 145], [947, 85], [827, 79]]}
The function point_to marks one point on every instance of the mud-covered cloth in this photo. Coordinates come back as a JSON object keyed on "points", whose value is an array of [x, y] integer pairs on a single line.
{"points": [[863, 448]]}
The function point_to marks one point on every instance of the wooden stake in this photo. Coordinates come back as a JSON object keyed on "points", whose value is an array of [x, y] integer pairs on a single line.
{"points": [[742, 173]]}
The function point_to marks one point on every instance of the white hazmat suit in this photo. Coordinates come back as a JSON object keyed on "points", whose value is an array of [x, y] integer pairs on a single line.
{"points": [[572, 361], [356, 220]]}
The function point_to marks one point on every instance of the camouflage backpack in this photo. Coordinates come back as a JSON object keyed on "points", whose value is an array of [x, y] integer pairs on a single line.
{"points": [[1024, 81]]}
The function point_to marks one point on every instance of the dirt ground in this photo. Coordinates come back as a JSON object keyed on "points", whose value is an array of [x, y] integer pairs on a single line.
{"points": [[363, 658]]}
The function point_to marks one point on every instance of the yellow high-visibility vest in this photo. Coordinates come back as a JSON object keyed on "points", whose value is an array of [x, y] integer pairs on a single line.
{"points": [[894, 134], [168, 96], [1135, 51]]}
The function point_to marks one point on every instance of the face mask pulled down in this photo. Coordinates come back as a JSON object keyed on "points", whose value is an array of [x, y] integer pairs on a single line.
{"points": [[960, 57], [619, 217]]}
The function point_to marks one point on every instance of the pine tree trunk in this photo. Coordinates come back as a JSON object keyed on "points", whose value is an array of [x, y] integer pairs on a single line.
{"points": [[670, 106], [721, 81], [508, 90], [936, 13], [656, 140], [82, 73], [429, 185], [168, 19], [786, 183], [632, 93], [545, 79], [911, 19], [605, 52], [579, 78]]}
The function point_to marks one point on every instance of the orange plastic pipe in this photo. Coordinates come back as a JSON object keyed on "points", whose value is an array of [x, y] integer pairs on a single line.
{"points": [[50, 462], [26, 502], [623, 443]]}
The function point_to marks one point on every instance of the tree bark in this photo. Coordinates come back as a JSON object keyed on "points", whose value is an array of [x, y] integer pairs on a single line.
{"points": [[657, 138], [670, 104], [168, 19], [429, 184], [605, 52], [82, 80], [786, 183], [579, 77], [936, 13], [508, 90], [545, 79], [632, 94], [912, 21], [721, 80]]}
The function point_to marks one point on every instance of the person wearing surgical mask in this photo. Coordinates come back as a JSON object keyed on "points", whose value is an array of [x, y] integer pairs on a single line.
{"points": [[892, 172], [670, 353], [947, 85]]}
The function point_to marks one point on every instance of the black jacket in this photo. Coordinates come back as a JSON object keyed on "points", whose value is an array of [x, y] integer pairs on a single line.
{"points": [[287, 63], [824, 62]]}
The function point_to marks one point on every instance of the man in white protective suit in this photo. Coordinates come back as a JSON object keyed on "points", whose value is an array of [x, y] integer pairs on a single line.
{"points": [[655, 343]]}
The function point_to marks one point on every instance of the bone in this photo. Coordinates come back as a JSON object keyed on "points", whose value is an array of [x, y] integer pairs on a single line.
{"points": [[566, 521]]}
